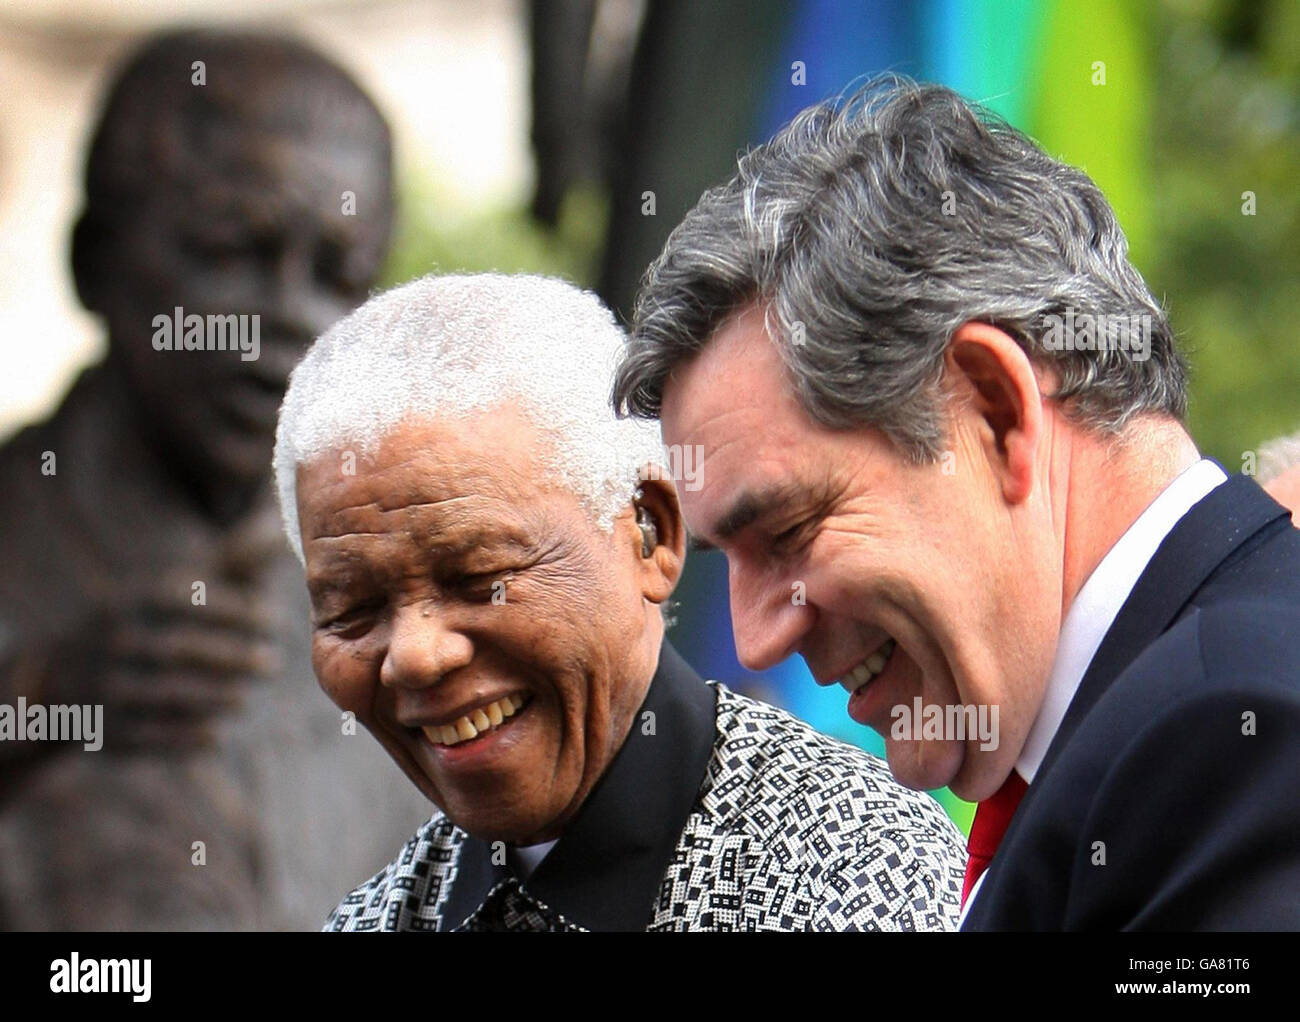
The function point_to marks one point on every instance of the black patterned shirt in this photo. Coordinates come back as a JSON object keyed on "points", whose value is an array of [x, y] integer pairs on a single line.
{"points": [[719, 812]]}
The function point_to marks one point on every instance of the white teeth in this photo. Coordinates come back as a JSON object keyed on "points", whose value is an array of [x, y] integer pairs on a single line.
{"points": [[485, 718], [867, 671]]}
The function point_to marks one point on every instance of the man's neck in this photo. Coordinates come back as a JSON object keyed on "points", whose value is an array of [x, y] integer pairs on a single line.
{"points": [[223, 498], [1110, 482]]}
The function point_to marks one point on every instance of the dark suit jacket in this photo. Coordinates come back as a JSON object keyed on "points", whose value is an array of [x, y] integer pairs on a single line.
{"points": [[1179, 757]]}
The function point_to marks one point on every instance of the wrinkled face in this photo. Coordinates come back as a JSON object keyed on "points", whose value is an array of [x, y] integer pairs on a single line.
{"points": [[841, 551], [264, 232], [474, 617]]}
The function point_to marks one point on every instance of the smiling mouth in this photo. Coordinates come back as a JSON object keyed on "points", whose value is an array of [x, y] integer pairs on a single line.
{"points": [[478, 722], [866, 672]]}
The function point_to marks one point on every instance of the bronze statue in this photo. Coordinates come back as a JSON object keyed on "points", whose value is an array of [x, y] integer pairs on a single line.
{"points": [[238, 197]]}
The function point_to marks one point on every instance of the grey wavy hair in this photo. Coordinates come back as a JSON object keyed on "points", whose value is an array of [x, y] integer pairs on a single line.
{"points": [[1278, 456], [871, 230]]}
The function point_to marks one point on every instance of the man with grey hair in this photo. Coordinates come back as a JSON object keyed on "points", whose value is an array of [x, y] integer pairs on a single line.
{"points": [[488, 549], [1279, 470], [932, 391]]}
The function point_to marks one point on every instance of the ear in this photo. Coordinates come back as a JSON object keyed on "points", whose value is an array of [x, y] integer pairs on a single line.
{"points": [[988, 371], [661, 571]]}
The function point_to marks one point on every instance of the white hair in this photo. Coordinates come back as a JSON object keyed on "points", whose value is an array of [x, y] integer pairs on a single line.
{"points": [[1278, 456], [454, 345]]}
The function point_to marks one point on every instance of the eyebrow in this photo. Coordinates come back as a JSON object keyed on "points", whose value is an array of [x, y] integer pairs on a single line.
{"points": [[321, 587], [749, 507], [327, 582]]}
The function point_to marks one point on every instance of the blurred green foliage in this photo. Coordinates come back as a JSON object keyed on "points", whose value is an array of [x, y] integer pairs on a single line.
{"points": [[1227, 121], [434, 235]]}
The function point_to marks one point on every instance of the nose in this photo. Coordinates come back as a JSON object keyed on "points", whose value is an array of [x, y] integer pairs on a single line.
{"points": [[422, 649], [298, 305], [769, 617]]}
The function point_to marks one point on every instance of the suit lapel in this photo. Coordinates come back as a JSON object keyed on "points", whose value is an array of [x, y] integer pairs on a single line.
{"points": [[1212, 531]]}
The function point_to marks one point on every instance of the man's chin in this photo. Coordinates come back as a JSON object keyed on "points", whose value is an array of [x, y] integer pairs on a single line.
{"points": [[925, 765], [509, 828], [978, 779]]}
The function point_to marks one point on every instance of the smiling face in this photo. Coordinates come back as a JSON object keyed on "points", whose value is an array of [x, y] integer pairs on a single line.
{"points": [[843, 552], [264, 237], [478, 622]]}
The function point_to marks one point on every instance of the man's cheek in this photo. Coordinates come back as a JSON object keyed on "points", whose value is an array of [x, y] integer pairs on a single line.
{"points": [[344, 680]]}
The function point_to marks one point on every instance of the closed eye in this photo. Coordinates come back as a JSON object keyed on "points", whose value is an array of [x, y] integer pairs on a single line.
{"points": [[788, 535], [354, 621], [484, 585], [786, 542]]}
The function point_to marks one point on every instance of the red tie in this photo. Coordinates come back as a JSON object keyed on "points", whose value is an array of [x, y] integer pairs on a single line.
{"points": [[992, 817]]}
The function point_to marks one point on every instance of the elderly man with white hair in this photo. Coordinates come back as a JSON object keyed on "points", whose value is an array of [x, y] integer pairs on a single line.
{"points": [[1279, 471], [488, 551]]}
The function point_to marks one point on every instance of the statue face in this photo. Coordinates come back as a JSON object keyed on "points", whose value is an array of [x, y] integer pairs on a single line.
{"points": [[266, 229]]}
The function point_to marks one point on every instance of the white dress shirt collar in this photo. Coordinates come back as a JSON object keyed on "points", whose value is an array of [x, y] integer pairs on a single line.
{"points": [[1099, 602], [528, 857], [1095, 608]]}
